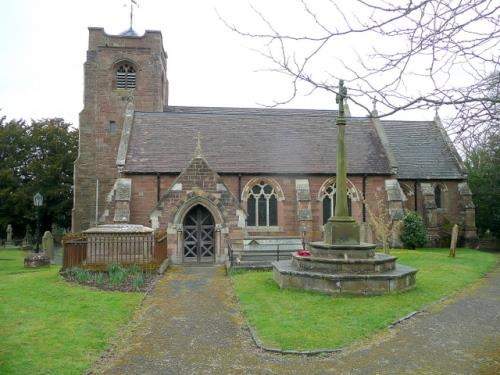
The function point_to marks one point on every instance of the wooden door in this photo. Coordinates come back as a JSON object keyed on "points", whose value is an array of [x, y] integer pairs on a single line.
{"points": [[199, 244]]}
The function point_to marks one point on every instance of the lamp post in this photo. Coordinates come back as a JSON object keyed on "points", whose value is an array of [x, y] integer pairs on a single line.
{"points": [[37, 202]]}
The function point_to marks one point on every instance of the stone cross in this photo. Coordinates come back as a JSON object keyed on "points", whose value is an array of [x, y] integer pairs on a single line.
{"points": [[198, 153], [341, 228], [341, 180], [341, 96], [48, 244], [9, 235]]}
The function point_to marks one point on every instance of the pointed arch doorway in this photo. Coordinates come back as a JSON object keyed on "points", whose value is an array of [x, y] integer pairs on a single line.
{"points": [[199, 241]]}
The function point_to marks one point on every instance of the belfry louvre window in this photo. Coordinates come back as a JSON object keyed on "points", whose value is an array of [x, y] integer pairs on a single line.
{"points": [[262, 206], [125, 77], [329, 203]]}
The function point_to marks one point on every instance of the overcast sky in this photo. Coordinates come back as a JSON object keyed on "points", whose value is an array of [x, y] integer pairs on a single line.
{"points": [[43, 47]]}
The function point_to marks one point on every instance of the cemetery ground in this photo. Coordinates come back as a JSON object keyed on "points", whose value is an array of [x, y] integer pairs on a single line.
{"points": [[49, 326], [301, 320]]}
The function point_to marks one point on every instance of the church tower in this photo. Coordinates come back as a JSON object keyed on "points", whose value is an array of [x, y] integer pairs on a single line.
{"points": [[119, 69]]}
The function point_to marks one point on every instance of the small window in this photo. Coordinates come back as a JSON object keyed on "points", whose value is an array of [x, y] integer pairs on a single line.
{"points": [[112, 127], [262, 206], [125, 76], [438, 196], [329, 203]]}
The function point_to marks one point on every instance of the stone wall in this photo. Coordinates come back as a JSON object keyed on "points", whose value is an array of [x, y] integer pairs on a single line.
{"points": [[457, 208], [144, 199], [145, 193], [104, 103]]}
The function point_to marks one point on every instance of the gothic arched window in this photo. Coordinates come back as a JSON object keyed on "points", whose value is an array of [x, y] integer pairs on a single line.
{"points": [[125, 76], [438, 196], [262, 206], [329, 203]]}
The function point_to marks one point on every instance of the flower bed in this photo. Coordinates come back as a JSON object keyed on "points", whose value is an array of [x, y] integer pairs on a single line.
{"points": [[116, 278]]}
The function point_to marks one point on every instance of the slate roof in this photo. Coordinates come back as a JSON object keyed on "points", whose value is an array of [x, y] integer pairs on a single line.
{"points": [[262, 140], [421, 150]]}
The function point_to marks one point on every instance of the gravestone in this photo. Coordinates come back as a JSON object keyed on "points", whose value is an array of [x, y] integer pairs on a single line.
{"points": [[454, 238], [9, 236], [48, 244], [28, 239]]}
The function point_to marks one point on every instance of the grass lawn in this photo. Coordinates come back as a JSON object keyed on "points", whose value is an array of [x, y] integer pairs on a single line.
{"points": [[295, 319], [48, 326]]}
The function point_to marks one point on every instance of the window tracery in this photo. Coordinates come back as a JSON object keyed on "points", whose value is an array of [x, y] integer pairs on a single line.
{"points": [[262, 205]]}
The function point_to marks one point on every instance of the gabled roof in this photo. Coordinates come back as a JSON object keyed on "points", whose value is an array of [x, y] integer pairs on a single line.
{"points": [[292, 141], [251, 140], [421, 150]]}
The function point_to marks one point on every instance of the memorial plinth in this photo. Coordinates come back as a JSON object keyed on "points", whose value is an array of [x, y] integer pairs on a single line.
{"points": [[349, 269], [341, 263]]}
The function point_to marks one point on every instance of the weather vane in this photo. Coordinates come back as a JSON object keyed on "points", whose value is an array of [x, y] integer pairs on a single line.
{"points": [[132, 3]]}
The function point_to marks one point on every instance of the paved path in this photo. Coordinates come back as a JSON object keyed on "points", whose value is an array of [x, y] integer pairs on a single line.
{"points": [[191, 324]]}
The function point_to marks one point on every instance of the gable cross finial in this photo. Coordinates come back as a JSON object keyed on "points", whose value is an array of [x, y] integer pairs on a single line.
{"points": [[198, 153]]}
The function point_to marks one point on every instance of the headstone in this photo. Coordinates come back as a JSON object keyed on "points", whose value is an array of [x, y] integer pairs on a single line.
{"points": [[48, 244], [9, 235], [454, 237], [28, 239]]}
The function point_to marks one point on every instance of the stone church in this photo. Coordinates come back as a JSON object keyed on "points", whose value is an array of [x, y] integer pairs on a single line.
{"points": [[206, 174]]}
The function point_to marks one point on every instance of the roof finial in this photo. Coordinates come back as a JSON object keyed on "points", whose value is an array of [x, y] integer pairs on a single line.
{"points": [[198, 153], [374, 101], [436, 114]]}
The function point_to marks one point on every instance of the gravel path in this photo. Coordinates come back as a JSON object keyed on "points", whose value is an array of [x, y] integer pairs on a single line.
{"points": [[190, 324]]}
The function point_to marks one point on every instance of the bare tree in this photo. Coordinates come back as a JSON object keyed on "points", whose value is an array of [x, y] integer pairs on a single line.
{"points": [[384, 227], [413, 54]]}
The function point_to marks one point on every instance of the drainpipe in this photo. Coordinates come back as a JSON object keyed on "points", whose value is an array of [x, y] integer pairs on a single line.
{"points": [[415, 195], [364, 197], [158, 187], [96, 204], [239, 188]]}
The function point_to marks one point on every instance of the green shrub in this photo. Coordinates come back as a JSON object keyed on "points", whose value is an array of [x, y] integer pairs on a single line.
{"points": [[82, 275], [138, 281], [100, 278], [117, 274], [135, 270], [414, 233], [73, 271]]}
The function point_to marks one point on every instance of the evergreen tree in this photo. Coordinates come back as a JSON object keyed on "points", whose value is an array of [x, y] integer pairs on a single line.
{"points": [[36, 158], [414, 234], [483, 167]]}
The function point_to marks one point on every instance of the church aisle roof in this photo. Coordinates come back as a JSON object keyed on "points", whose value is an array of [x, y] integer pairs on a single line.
{"points": [[264, 140], [251, 140], [421, 151]]}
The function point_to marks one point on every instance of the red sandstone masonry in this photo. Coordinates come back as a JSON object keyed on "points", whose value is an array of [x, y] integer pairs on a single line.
{"points": [[103, 103]]}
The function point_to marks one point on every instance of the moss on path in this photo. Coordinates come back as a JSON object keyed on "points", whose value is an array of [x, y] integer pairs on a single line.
{"points": [[191, 324]]}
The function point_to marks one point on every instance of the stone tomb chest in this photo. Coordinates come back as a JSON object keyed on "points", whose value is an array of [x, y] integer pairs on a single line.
{"points": [[120, 244]]}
